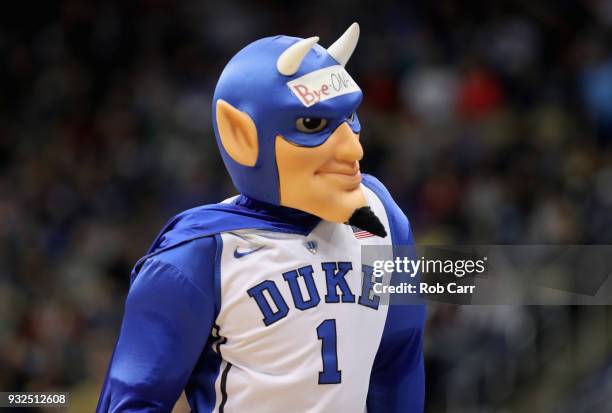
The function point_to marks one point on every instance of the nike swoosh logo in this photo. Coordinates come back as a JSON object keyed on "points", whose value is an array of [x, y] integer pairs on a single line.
{"points": [[238, 254]]}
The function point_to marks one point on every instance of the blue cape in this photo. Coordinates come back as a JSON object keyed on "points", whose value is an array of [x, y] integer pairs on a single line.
{"points": [[241, 213]]}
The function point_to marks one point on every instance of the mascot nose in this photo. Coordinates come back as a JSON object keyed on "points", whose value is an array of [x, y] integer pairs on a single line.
{"points": [[348, 147]]}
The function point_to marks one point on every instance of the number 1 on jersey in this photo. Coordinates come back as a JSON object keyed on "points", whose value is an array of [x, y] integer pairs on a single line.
{"points": [[326, 332]]}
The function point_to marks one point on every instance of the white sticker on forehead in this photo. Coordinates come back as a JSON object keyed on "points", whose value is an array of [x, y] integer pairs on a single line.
{"points": [[323, 84]]}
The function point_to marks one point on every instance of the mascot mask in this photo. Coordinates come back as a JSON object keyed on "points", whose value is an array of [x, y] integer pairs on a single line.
{"points": [[285, 123]]}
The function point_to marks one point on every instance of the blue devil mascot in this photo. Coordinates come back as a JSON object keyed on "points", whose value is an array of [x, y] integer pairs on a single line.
{"points": [[261, 303]]}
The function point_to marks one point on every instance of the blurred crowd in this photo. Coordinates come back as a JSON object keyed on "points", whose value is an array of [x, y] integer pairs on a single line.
{"points": [[490, 122]]}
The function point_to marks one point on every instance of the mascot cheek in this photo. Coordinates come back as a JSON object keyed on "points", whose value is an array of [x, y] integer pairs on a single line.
{"points": [[302, 187]]}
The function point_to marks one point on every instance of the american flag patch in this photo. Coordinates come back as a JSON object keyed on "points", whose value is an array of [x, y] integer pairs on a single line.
{"points": [[360, 233]]}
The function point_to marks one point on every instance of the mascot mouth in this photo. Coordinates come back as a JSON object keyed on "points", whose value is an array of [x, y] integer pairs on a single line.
{"points": [[349, 181], [347, 176]]}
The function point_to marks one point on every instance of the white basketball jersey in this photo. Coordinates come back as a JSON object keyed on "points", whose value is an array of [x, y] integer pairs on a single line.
{"points": [[309, 348]]}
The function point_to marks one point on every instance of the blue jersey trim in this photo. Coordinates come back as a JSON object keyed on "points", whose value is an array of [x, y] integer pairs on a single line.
{"points": [[217, 274], [200, 391]]}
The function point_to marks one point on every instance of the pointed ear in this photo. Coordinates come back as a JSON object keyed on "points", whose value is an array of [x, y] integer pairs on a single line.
{"points": [[238, 134]]}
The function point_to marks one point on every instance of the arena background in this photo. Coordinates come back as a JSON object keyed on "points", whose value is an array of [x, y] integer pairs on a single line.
{"points": [[489, 121]]}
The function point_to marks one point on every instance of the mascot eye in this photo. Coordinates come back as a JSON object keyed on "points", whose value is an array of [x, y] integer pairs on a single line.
{"points": [[310, 125], [351, 118]]}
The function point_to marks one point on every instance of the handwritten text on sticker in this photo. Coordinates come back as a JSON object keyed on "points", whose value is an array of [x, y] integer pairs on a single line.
{"points": [[323, 84]]}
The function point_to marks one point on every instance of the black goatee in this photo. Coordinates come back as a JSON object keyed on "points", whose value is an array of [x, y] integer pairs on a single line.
{"points": [[365, 219]]}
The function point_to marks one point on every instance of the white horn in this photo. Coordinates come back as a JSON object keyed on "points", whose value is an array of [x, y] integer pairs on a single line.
{"points": [[289, 62], [343, 48]]}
